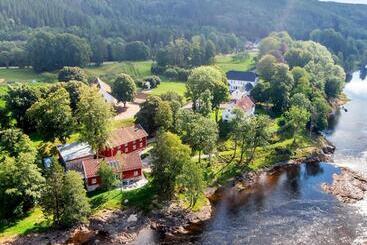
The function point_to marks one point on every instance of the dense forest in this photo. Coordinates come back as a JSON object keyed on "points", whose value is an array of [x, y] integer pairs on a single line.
{"points": [[108, 25]]}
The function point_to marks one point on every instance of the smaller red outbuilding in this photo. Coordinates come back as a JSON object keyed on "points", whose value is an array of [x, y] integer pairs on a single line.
{"points": [[126, 167]]}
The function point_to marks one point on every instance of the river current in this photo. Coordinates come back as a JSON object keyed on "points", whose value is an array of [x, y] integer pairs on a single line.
{"points": [[288, 206]]}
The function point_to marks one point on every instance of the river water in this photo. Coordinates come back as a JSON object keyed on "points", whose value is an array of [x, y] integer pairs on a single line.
{"points": [[288, 206]]}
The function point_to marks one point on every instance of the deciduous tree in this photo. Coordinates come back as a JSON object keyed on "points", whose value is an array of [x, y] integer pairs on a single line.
{"points": [[94, 116], [124, 88]]}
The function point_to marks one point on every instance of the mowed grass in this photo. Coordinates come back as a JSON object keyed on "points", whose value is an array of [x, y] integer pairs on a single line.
{"points": [[25, 75], [227, 63], [109, 70], [34, 221], [166, 86]]}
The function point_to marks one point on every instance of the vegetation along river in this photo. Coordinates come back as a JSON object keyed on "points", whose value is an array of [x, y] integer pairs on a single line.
{"points": [[288, 206]]}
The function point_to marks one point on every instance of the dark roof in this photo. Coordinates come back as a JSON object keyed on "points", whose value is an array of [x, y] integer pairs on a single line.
{"points": [[249, 87], [241, 76]]}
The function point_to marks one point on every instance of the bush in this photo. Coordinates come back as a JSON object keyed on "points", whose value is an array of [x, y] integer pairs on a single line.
{"points": [[67, 74], [182, 74], [171, 73], [153, 80], [157, 70]]}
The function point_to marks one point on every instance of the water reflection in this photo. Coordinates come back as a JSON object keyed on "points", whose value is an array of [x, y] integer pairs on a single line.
{"points": [[348, 128], [284, 207]]}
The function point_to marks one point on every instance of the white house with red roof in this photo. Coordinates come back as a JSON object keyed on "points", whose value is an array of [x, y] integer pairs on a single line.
{"points": [[126, 167], [244, 104]]}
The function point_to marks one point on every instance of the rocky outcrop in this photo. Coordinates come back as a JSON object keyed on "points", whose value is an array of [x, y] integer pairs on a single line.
{"points": [[348, 186], [173, 219]]}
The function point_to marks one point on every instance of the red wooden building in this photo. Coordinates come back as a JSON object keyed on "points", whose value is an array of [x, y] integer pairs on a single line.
{"points": [[126, 167], [125, 140]]}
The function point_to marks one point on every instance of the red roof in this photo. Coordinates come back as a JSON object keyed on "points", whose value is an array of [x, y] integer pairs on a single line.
{"points": [[245, 103], [123, 136], [120, 164]]}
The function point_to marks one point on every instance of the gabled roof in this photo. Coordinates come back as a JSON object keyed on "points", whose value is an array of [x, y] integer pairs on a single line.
{"points": [[108, 97], [125, 135], [249, 87], [241, 76], [121, 163], [245, 103], [74, 151], [102, 85]]}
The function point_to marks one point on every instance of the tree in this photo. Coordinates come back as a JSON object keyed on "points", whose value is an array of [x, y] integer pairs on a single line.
{"points": [[52, 200], [53, 115], [48, 52], [108, 177], [301, 101], [297, 57], [124, 88], [74, 89], [13, 142], [211, 79], [20, 185], [281, 86], [76, 203], [5, 59], [333, 87], [146, 116], [266, 67], [164, 116], [199, 132], [169, 156], [297, 117], [67, 74], [18, 100], [192, 181], [136, 50], [94, 116], [254, 133], [260, 93], [205, 104], [99, 50], [320, 113]]}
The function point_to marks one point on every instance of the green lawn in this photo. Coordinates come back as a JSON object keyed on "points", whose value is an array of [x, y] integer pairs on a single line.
{"points": [[166, 86], [33, 222], [226, 63], [26, 75], [108, 71]]}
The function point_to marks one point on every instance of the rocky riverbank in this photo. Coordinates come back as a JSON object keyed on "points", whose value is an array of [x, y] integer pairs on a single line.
{"points": [[348, 186]]}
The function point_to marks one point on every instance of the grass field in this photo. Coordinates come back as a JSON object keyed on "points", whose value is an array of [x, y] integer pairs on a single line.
{"points": [[34, 221], [108, 71], [25, 75], [226, 63], [166, 86]]}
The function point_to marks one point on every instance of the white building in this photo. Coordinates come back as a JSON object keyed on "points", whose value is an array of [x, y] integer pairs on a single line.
{"points": [[105, 90], [242, 81], [244, 103]]}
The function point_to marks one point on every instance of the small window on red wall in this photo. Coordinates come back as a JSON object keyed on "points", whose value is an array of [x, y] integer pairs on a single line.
{"points": [[136, 173], [94, 181]]}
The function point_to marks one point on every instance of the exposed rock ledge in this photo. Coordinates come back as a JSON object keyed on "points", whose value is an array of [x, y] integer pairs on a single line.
{"points": [[348, 186]]}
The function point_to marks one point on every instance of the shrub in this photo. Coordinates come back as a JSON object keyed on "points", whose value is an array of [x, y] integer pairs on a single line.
{"points": [[171, 73], [67, 74]]}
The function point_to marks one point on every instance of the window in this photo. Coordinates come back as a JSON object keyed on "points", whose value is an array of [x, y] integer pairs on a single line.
{"points": [[136, 173], [94, 181], [134, 146]]}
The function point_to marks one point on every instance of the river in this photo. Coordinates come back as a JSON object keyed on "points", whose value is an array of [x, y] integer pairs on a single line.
{"points": [[288, 206]]}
